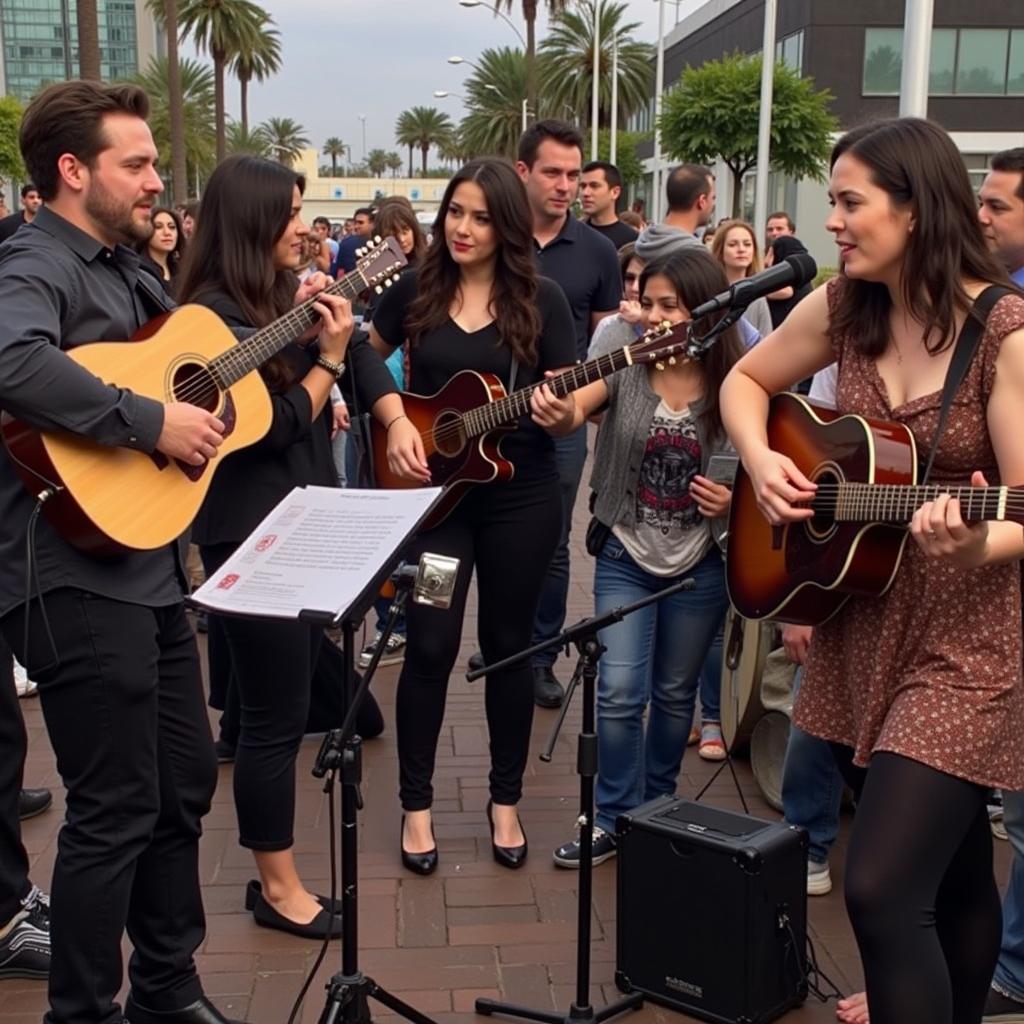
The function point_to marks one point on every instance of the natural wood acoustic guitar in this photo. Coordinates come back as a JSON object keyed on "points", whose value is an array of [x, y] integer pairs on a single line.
{"points": [[104, 500], [866, 471]]}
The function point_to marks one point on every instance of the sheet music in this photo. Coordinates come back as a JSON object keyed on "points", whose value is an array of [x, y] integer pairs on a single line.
{"points": [[316, 551]]}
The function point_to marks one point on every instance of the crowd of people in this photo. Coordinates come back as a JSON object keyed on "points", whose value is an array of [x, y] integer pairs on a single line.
{"points": [[913, 700]]}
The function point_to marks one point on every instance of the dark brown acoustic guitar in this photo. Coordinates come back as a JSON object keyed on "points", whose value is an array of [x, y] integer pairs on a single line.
{"points": [[463, 424], [866, 472]]}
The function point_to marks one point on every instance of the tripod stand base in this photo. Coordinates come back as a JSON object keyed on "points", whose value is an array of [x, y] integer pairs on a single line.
{"points": [[576, 1014], [348, 998]]}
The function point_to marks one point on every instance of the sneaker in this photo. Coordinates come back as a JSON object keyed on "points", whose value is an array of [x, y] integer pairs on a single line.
{"points": [[25, 686], [1001, 1009], [394, 650], [568, 856], [819, 880], [37, 903], [25, 949]]}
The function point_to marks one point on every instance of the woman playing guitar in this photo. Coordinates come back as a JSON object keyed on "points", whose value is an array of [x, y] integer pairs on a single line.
{"points": [[476, 302], [920, 690]]}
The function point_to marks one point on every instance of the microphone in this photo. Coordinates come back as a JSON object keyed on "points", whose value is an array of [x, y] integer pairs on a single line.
{"points": [[795, 271], [432, 579]]}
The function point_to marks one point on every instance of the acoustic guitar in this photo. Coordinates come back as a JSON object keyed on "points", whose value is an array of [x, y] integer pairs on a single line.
{"points": [[866, 473], [463, 424], [104, 500]]}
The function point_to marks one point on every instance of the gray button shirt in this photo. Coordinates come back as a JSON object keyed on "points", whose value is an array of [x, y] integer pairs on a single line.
{"points": [[60, 287]]}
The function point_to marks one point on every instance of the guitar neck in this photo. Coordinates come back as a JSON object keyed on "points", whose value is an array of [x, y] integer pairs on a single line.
{"points": [[510, 408], [249, 355], [897, 503]]}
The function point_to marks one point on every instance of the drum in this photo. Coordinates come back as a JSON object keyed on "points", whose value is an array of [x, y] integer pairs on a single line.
{"points": [[744, 653]]}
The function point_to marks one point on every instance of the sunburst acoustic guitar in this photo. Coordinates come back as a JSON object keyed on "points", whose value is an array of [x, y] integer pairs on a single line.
{"points": [[866, 472], [108, 499]]}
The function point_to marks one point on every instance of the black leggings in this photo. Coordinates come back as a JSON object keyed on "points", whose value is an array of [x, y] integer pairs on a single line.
{"points": [[920, 891], [508, 532]]}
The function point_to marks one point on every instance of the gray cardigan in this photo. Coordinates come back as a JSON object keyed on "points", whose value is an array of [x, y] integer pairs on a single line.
{"points": [[620, 449]]}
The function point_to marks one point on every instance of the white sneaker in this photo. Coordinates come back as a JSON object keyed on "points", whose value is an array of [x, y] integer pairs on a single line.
{"points": [[22, 683], [819, 880]]}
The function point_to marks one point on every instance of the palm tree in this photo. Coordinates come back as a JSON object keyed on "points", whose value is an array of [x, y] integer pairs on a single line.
{"points": [[529, 8], [566, 65], [197, 101], [88, 40], [394, 164], [286, 138], [495, 93], [221, 28], [254, 143], [334, 148], [258, 57], [423, 127], [377, 161], [168, 11]]}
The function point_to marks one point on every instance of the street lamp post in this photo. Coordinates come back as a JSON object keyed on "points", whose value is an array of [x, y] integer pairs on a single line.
{"points": [[489, 85], [595, 97], [362, 117], [494, 10], [659, 86]]}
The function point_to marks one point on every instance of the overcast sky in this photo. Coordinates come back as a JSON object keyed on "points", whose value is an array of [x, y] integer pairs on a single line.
{"points": [[343, 58]]}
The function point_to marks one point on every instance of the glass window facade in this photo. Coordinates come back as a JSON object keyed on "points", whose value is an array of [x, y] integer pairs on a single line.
{"points": [[790, 51], [40, 42], [964, 62]]}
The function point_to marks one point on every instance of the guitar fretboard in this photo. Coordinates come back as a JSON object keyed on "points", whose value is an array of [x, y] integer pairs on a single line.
{"points": [[897, 503]]}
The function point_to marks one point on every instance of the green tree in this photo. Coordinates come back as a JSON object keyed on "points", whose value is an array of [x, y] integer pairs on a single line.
{"points": [[713, 112], [286, 138], [88, 26], [221, 28], [423, 127], [529, 9], [10, 153], [241, 140], [197, 97], [258, 57], [167, 12], [495, 93], [566, 65], [377, 161], [394, 163], [334, 148]]}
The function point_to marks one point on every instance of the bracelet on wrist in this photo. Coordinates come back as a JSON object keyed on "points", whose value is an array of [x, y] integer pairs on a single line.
{"points": [[330, 366], [400, 416]]}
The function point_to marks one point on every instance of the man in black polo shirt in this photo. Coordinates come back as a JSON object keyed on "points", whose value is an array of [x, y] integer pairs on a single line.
{"points": [[108, 640], [30, 204], [587, 267], [600, 191]]}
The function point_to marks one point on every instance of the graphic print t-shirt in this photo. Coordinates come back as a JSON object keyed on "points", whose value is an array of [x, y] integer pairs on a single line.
{"points": [[670, 535]]}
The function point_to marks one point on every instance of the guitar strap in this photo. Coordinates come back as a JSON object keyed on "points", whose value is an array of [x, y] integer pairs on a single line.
{"points": [[963, 355]]}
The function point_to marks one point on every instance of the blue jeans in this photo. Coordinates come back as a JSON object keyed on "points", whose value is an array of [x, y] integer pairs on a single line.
{"points": [[812, 787], [656, 651], [570, 455], [711, 680], [1009, 975]]}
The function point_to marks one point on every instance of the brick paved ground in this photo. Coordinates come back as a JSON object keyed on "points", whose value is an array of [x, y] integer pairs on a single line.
{"points": [[471, 929]]}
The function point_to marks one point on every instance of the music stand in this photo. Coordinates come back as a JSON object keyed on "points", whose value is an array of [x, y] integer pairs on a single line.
{"points": [[582, 636]]}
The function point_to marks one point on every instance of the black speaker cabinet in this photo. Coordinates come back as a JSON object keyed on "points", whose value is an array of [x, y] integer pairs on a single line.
{"points": [[712, 911]]}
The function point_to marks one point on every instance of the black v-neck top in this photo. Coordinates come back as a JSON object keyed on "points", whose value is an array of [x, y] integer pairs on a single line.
{"points": [[443, 352]]}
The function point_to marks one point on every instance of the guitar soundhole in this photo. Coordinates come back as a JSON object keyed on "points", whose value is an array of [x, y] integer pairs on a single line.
{"points": [[821, 525], [448, 433], [193, 383]]}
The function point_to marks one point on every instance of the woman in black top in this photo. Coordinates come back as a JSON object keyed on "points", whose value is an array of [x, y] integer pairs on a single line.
{"points": [[161, 254], [476, 302], [241, 263]]}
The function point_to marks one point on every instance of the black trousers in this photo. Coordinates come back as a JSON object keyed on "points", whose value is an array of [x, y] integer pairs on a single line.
{"points": [[14, 884], [125, 713], [508, 532]]}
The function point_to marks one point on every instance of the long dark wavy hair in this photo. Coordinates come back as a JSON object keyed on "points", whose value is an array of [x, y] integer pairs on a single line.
{"points": [[177, 254], [514, 292], [917, 164], [245, 209], [696, 277]]}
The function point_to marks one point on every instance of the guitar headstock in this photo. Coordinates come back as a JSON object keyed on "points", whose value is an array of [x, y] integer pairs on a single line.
{"points": [[380, 262], [661, 344]]}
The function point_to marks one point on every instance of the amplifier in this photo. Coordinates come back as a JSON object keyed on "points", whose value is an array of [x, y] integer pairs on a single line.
{"points": [[712, 911]]}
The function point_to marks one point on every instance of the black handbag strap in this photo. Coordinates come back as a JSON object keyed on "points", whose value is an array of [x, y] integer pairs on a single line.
{"points": [[963, 355]]}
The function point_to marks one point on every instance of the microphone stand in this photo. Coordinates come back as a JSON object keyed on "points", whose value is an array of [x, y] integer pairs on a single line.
{"points": [[698, 345], [583, 636]]}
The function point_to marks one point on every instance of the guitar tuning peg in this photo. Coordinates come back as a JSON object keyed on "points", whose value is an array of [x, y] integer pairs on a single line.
{"points": [[659, 365], [379, 290], [671, 360], [376, 239]]}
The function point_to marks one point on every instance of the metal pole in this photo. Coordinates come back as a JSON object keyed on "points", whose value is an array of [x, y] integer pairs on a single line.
{"points": [[525, 113], [917, 38], [659, 86], [764, 127], [595, 99], [614, 147]]}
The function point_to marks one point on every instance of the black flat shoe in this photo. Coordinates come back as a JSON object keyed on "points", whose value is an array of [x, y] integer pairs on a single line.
{"points": [[32, 802], [420, 863], [254, 890], [507, 856], [202, 1011], [324, 925]]}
